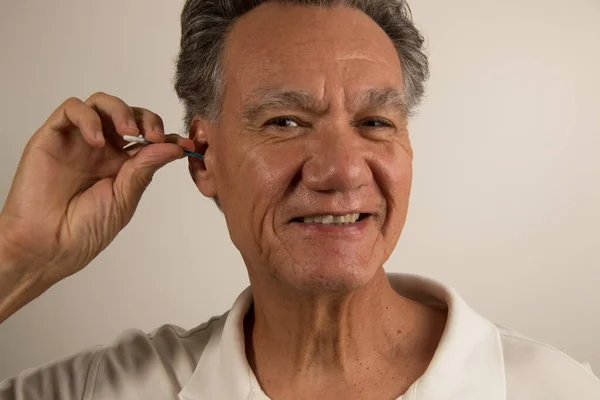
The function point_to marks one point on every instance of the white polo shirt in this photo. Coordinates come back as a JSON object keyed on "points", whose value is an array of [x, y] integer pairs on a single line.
{"points": [[475, 360]]}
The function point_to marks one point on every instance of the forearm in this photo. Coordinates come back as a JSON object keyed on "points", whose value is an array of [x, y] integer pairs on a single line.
{"points": [[20, 282]]}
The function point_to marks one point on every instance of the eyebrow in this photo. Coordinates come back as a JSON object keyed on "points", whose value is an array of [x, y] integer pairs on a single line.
{"points": [[386, 98], [264, 100]]}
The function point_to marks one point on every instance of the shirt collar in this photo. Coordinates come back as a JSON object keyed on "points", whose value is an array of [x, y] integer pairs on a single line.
{"points": [[467, 365], [223, 371]]}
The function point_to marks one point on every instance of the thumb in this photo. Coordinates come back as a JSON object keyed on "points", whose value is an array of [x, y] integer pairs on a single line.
{"points": [[137, 172]]}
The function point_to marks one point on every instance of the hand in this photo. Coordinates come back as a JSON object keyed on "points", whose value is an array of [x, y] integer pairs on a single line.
{"points": [[76, 188]]}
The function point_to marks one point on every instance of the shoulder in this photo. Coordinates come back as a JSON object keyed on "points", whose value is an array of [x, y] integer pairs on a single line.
{"points": [[537, 370], [150, 365], [136, 365], [167, 341]]}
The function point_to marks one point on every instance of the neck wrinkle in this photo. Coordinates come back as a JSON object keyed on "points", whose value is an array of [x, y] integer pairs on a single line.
{"points": [[313, 338]]}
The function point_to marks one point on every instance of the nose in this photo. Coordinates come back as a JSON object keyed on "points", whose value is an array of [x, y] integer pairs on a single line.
{"points": [[337, 162]]}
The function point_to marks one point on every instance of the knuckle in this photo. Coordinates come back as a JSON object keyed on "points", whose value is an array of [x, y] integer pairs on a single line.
{"points": [[71, 102], [155, 120], [158, 119], [144, 114], [97, 95]]}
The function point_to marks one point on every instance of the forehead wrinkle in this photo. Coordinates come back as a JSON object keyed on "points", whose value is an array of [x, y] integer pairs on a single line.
{"points": [[263, 100]]}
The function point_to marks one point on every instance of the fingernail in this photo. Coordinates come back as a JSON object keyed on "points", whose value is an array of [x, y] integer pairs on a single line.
{"points": [[158, 130], [99, 136]]}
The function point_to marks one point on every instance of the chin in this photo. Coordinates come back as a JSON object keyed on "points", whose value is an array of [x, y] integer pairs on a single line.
{"points": [[320, 276]]}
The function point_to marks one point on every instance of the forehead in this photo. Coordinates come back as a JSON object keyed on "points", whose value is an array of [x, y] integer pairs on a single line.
{"points": [[308, 48]]}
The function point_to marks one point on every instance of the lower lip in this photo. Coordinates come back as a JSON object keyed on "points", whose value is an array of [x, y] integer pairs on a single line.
{"points": [[333, 229]]}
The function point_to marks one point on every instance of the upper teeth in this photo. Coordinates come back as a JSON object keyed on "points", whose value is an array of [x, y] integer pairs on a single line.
{"points": [[333, 219]]}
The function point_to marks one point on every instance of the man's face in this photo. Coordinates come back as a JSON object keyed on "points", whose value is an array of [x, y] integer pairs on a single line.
{"points": [[311, 126]]}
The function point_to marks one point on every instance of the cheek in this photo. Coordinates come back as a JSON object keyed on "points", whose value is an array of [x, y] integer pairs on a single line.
{"points": [[252, 182], [393, 174]]}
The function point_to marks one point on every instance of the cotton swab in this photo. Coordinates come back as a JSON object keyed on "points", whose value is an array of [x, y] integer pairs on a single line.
{"points": [[143, 140]]}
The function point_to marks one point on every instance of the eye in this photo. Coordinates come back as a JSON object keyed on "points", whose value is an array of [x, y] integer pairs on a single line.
{"points": [[377, 123], [283, 122]]}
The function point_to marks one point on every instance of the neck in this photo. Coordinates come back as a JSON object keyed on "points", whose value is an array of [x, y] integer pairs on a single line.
{"points": [[339, 343]]}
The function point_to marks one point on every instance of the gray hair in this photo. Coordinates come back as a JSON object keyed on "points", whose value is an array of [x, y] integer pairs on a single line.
{"points": [[205, 24]]}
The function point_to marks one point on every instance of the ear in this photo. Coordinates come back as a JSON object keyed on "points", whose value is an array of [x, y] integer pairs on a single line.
{"points": [[202, 171]]}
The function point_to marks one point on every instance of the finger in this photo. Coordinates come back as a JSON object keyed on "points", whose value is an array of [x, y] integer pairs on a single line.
{"points": [[117, 117], [133, 148], [74, 113], [151, 125], [184, 143], [137, 172]]}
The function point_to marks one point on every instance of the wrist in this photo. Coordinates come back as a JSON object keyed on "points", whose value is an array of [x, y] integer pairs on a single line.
{"points": [[16, 262], [20, 282]]}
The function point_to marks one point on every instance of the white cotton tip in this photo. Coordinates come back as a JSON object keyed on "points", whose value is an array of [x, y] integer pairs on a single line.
{"points": [[135, 139]]}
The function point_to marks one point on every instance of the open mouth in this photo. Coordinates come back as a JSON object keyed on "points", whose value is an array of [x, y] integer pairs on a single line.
{"points": [[346, 219]]}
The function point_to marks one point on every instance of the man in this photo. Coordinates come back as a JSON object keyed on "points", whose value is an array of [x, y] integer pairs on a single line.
{"points": [[301, 114]]}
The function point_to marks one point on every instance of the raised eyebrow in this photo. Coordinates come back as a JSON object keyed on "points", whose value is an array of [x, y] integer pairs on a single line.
{"points": [[268, 99]]}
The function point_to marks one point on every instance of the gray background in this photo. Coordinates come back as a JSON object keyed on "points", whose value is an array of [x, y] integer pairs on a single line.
{"points": [[506, 197]]}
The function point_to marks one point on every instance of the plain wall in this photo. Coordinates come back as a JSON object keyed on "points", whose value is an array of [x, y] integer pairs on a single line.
{"points": [[506, 195]]}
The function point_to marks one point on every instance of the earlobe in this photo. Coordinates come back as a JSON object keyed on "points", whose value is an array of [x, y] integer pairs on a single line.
{"points": [[202, 171]]}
